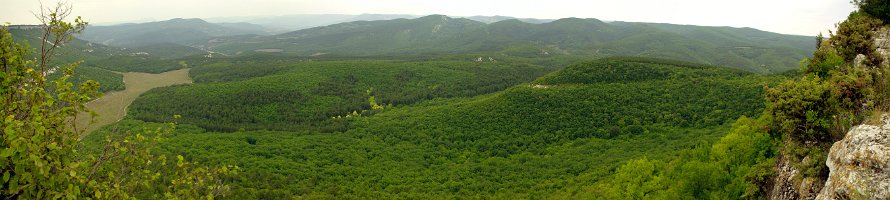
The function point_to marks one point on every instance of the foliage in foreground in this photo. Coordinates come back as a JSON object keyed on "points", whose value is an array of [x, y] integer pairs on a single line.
{"points": [[877, 8], [39, 158], [842, 84]]}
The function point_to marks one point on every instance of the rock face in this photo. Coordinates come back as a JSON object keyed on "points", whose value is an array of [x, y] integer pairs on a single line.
{"points": [[882, 43], [786, 188], [860, 164]]}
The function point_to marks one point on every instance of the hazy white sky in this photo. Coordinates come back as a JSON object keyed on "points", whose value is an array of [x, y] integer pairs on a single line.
{"points": [[802, 17]]}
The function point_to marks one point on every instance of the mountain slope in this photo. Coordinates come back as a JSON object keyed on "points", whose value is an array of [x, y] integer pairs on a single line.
{"points": [[73, 51], [178, 31], [742, 48], [110, 58]]}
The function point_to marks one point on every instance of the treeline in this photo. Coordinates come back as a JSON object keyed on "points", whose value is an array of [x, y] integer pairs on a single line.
{"points": [[108, 80], [135, 63], [297, 95]]}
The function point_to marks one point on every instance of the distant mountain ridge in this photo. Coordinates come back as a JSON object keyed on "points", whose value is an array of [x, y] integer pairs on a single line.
{"points": [[72, 51], [498, 18], [743, 48], [176, 31], [404, 35], [287, 23]]}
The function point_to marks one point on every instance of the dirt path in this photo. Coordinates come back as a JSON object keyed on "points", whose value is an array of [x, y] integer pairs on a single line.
{"points": [[113, 106]]}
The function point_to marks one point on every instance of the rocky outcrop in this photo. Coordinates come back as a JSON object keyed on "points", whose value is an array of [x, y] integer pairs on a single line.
{"points": [[882, 43], [882, 47], [860, 164], [790, 184]]}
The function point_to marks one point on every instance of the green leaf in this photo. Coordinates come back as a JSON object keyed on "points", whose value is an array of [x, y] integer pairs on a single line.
{"points": [[6, 153], [179, 161], [13, 185], [5, 176]]}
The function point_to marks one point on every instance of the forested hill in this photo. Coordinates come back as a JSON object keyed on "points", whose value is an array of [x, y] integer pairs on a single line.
{"points": [[744, 48], [177, 31], [75, 51]]}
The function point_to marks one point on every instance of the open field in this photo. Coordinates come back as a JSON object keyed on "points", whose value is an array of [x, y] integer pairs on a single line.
{"points": [[113, 106]]}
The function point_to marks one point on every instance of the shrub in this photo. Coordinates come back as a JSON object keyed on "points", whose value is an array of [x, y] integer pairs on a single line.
{"points": [[854, 36], [876, 8], [802, 109]]}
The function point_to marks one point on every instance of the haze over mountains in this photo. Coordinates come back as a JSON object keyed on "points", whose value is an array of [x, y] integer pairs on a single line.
{"points": [[400, 35], [179, 31], [286, 23]]}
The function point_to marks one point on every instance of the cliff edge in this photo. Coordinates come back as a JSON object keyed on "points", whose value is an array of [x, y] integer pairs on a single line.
{"points": [[860, 164]]}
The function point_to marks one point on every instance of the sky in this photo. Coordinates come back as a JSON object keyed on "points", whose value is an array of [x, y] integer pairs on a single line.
{"points": [[800, 17]]}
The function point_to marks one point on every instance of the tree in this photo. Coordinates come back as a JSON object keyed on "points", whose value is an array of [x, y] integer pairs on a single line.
{"points": [[38, 147], [876, 8], [855, 36], [38, 141]]}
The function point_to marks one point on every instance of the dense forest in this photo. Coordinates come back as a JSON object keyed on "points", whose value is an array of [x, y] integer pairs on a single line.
{"points": [[261, 95], [534, 139], [462, 109]]}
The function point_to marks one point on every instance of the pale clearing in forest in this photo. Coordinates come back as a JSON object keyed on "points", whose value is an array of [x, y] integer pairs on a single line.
{"points": [[112, 107]]}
